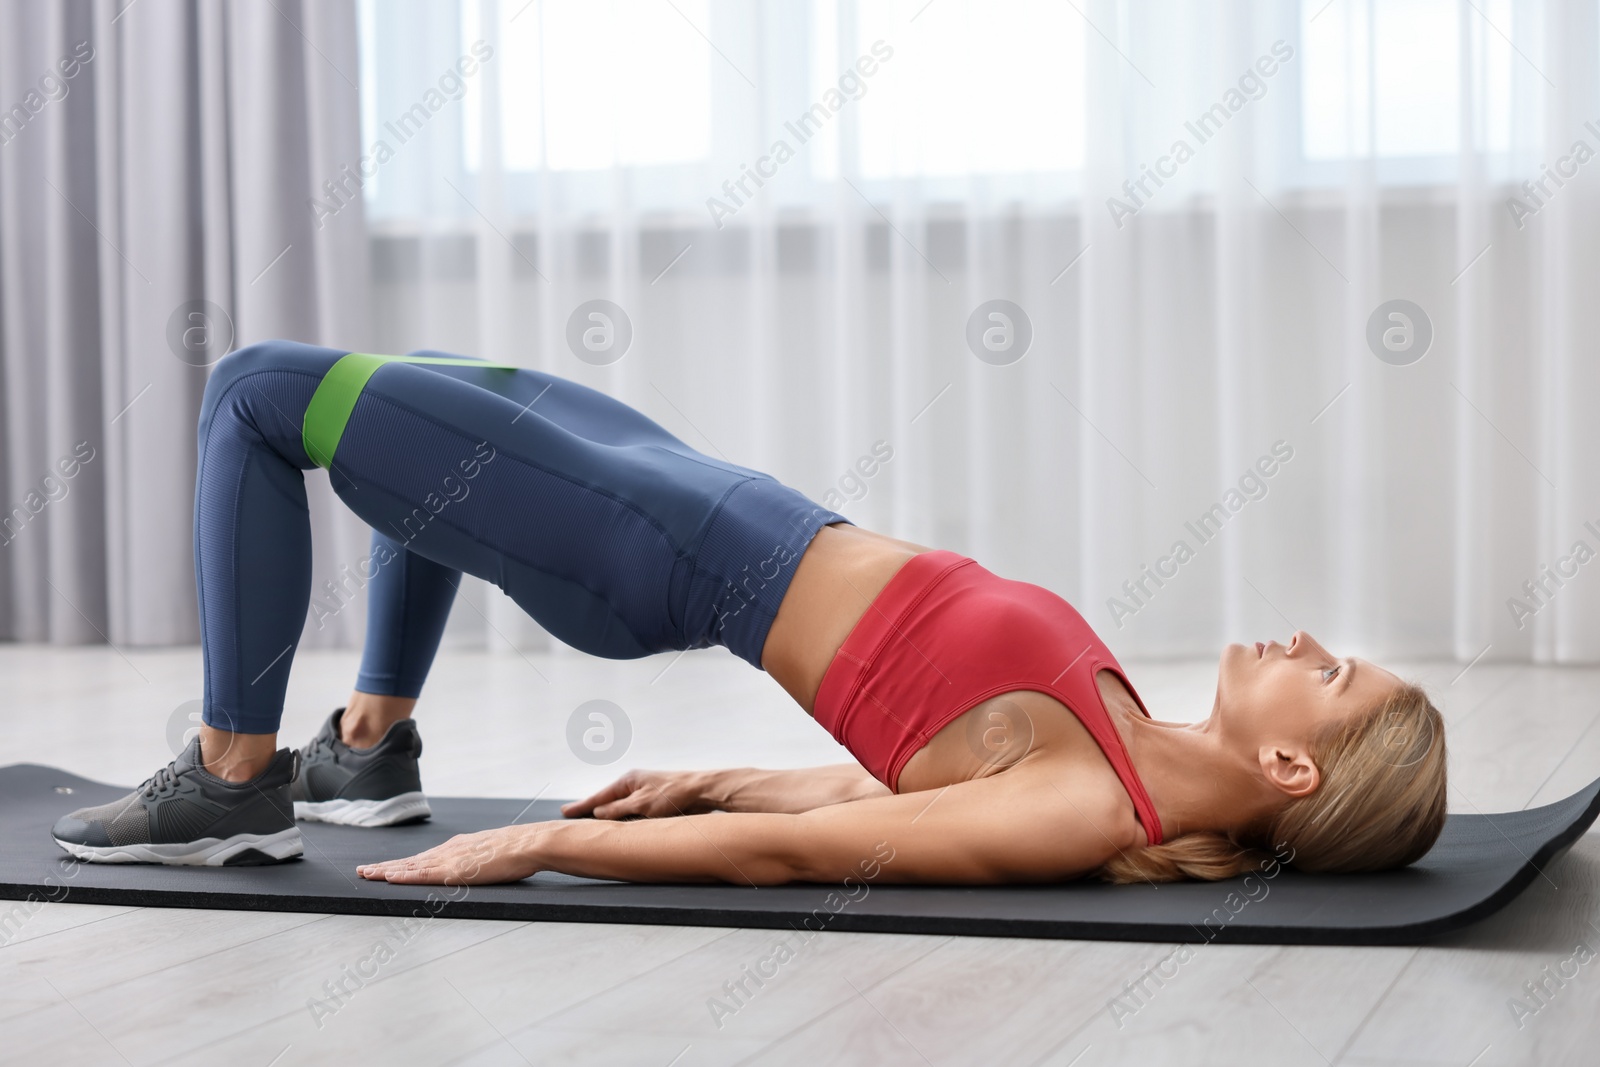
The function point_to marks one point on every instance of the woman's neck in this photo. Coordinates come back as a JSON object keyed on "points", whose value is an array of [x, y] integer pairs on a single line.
{"points": [[1195, 782]]}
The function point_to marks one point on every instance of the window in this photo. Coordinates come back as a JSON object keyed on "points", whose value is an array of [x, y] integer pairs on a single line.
{"points": [[655, 104], [592, 84], [951, 107], [1384, 80]]}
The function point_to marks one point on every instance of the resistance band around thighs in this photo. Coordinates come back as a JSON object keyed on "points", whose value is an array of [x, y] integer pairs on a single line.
{"points": [[335, 398]]}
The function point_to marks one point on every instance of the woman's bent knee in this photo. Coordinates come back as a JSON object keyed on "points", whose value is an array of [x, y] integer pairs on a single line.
{"points": [[263, 357], [261, 391]]}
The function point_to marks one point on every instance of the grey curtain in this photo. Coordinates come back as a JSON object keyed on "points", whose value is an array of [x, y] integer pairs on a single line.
{"points": [[157, 160]]}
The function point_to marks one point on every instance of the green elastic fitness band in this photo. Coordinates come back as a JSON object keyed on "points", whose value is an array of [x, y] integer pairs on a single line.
{"points": [[336, 396]]}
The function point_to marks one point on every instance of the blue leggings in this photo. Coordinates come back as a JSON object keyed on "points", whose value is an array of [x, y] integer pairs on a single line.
{"points": [[617, 537]]}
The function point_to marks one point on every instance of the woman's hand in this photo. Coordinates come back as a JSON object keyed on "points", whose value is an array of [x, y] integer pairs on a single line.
{"points": [[651, 794], [483, 858]]}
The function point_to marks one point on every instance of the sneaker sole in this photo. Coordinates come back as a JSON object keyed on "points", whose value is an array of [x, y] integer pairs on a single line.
{"points": [[406, 807], [236, 851]]}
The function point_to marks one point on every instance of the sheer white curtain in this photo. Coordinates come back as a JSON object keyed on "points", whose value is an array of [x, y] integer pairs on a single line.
{"points": [[155, 163], [1196, 220]]}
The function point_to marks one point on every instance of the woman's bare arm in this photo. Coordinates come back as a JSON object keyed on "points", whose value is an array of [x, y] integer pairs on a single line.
{"points": [[986, 831], [793, 792], [655, 794]]}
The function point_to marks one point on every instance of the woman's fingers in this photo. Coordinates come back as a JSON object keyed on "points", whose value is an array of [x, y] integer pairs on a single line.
{"points": [[650, 801], [619, 788], [579, 808], [416, 876], [467, 859], [632, 804], [645, 793], [390, 870]]}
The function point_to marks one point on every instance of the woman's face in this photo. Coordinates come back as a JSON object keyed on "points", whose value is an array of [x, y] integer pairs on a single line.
{"points": [[1268, 693]]}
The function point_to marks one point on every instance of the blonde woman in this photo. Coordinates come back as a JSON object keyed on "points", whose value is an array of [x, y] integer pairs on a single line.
{"points": [[997, 738]]}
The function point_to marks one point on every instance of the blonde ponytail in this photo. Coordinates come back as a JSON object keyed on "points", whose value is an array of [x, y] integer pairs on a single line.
{"points": [[1206, 856], [1380, 804]]}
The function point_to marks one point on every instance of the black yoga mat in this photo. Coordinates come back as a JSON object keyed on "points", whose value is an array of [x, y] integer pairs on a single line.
{"points": [[1478, 865]]}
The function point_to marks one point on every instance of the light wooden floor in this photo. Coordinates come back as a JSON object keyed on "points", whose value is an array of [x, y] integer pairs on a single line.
{"points": [[108, 985]]}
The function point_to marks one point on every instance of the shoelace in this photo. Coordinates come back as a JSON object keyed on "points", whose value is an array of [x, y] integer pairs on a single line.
{"points": [[161, 782], [322, 743]]}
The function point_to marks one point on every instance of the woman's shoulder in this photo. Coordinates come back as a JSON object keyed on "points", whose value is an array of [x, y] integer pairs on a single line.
{"points": [[1075, 789]]}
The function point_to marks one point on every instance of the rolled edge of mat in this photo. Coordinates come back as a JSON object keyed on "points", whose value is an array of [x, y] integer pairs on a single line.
{"points": [[335, 398]]}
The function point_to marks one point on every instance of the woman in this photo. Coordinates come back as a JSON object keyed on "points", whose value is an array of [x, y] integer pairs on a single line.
{"points": [[998, 738]]}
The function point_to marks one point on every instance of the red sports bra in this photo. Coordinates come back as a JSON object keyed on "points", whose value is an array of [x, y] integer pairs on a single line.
{"points": [[945, 635]]}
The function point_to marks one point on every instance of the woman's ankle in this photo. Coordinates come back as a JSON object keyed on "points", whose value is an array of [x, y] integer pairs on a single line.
{"points": [[236, 757], [368, 716]]}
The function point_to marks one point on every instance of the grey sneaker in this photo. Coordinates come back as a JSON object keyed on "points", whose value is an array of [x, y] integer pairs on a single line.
{"points": [[184, 815], [377, 786]]}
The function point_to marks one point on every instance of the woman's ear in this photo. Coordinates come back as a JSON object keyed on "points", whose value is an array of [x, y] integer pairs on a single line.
{"points": [[1290, 770]]}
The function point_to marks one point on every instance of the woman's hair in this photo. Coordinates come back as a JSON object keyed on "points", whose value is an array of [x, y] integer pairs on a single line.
{"points": [[1380, 804]]}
